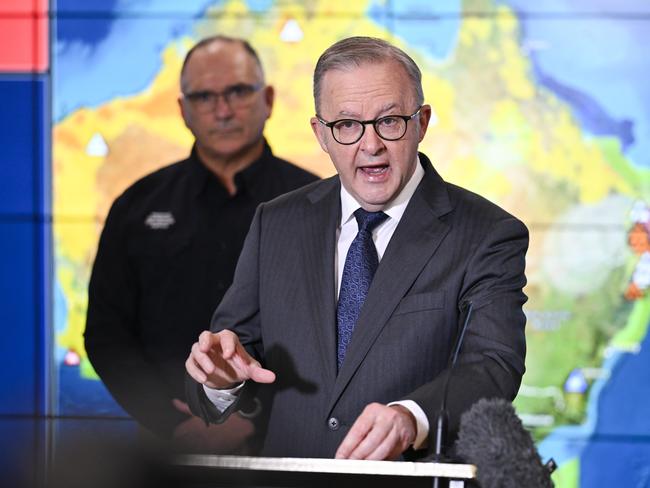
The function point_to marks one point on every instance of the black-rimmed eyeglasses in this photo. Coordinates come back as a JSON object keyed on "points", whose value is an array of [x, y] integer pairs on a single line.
{"points": [[349, 131], [235, 96]]}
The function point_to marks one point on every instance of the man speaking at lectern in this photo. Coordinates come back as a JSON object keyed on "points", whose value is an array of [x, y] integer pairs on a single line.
{"points": [[348, 293]]}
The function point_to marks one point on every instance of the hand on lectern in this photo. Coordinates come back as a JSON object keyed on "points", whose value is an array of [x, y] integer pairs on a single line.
{"points": [[220, 361], [379, 433]]}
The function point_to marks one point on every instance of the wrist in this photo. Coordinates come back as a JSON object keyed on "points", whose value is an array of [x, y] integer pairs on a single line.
{"points": [[408, 421]]}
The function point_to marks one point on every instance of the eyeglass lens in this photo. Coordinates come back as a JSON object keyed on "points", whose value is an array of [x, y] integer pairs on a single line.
{"points": [[235, 96], [349, 131]]}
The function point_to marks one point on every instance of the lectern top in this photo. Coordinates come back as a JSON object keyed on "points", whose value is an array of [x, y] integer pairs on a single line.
{"points": [[337, 466]]}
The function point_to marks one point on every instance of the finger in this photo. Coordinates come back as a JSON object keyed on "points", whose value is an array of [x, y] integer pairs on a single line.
{"points": [[229, 342], [202, 360], [237, 364], [250, 367], [181, 406], [388, 449], [261, 375], [357, 433], [206, 340], [194, 371], [375, 439]]}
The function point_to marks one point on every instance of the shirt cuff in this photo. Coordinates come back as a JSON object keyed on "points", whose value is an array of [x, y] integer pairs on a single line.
{"points": [[222, 399], [421, 422]]}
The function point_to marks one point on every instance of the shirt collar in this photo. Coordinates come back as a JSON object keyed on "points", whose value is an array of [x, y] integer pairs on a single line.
{"points": [[247, 180], [395, 208]]}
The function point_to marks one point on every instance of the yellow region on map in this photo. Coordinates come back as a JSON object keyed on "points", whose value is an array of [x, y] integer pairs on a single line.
{"points": [[494, 131]]}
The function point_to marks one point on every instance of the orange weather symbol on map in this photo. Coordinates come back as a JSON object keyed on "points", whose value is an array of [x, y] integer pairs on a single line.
{"points": [[639, 240]]}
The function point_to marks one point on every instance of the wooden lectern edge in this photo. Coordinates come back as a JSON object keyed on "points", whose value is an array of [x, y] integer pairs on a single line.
{"points": [[318, 465]]}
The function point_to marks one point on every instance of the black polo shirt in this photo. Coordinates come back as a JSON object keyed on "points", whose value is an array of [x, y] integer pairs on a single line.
{"points": [[166, 256]]}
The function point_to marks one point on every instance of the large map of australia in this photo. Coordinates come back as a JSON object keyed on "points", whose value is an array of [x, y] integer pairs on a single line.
{"points": [[540, 114]]}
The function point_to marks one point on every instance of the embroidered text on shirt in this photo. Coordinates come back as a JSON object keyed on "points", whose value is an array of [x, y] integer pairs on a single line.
{"points": [[160, 220]]}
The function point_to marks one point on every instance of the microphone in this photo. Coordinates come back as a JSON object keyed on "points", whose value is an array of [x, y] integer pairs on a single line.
{"points": [[442, 419], [492, 437]]}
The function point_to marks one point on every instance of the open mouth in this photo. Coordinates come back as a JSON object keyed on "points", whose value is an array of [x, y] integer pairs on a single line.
{"points": [[378, 170]]}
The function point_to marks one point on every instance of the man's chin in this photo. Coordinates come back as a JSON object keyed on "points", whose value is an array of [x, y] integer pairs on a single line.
{"points": [[374, 203], [232, 150], [375, 195]]}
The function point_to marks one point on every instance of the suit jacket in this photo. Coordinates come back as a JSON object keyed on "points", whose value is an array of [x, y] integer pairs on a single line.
{"points": [[450, 248]]}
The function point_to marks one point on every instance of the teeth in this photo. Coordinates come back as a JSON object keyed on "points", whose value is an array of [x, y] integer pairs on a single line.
{"points": [[375, 171]]}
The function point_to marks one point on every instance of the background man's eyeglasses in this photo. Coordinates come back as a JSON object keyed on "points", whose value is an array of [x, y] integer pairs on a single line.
{"points": [[349, 131], [235, 96]]}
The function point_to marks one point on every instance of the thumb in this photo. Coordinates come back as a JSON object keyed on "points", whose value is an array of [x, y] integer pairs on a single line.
{"points": [[181, 406]]}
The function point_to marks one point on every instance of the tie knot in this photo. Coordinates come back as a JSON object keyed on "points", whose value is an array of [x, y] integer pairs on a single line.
{"points": [[369, 220]]}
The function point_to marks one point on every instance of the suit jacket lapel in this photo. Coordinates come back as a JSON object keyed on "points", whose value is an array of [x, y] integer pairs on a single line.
{"points": [[416, 238], [318, 248]]}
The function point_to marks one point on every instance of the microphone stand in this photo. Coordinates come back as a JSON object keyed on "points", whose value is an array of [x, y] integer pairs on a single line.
{"points": [[442, 420]]}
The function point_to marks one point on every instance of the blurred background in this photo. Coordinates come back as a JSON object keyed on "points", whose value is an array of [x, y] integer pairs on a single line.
{"points": [[543, 107]]}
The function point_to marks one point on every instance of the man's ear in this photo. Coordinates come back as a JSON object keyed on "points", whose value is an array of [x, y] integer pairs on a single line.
{"points": [[424, 117], [184, 114], [269, 98], [320, 133]]}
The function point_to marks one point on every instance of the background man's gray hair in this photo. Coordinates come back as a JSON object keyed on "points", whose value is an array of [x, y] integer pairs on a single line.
{"points": [[227, 39], [355, 51]]}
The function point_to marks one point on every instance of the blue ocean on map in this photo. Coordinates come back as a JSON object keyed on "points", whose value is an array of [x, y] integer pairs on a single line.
{"points": [[114, 52], [610, 426], [608, 89], [429, 26]]}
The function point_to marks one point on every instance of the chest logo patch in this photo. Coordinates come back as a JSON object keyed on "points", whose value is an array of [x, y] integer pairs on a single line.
{"points": [[159, 220]]}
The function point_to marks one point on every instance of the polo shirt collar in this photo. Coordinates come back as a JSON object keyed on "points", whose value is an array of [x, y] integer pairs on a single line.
{"points": [[247, 180]]}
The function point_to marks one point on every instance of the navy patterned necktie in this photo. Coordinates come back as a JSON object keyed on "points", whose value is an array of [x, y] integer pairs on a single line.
{"points": [[360, 266]]}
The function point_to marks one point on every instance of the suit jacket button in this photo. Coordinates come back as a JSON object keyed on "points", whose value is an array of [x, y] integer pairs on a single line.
{"points": [[333, 423]]}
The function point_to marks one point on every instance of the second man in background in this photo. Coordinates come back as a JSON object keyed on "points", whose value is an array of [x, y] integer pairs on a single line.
{"points": [[169, 247]]}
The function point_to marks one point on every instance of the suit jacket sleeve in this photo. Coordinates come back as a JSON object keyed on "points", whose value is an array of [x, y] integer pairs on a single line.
{"points": [[491, 361], [111, 336]]}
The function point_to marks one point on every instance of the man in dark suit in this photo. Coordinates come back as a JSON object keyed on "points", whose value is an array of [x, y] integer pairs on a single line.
{"points": [[348, 294]]}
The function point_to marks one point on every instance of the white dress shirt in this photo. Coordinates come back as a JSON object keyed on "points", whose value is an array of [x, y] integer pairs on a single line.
{"points": [[345, 234]]}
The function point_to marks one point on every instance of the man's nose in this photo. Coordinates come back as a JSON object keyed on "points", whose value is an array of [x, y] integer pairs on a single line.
{"points": [[371, 143], [222, 108]]}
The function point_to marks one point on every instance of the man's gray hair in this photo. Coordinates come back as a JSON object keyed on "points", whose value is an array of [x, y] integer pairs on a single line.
{"points": [[355, 51]]}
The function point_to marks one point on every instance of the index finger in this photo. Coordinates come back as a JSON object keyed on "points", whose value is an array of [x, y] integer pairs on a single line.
{"points": [[225, 339], [261, 375], [206, 340], [230, 344], [251, 366]]}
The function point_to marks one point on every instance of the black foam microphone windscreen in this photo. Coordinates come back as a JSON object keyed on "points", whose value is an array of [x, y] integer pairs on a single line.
{"points": [[492, 437]]}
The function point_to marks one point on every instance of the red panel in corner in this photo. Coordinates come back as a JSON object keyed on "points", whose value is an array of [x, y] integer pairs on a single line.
{"points": [[24, 37], [23, 7]]}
